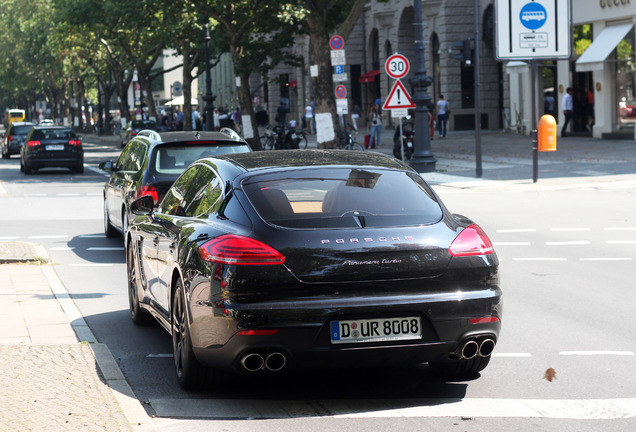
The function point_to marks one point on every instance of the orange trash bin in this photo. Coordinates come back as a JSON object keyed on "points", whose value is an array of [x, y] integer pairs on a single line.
{"points": [[547, 136]]}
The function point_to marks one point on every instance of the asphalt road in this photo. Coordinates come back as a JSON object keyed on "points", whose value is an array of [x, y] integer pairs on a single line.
{"points": [[567, 263]]}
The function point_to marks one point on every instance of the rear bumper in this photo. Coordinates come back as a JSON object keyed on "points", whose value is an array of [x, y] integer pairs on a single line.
{"points": [[58, 161], [304, 330]]}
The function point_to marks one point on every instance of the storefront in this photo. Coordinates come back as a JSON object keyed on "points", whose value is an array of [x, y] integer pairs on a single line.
{"points": [[602, 72]]}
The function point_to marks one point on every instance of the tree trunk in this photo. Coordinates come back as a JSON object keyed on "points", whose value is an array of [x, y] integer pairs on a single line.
{"points": [[323, 83], [187, 86], [247, 110]]}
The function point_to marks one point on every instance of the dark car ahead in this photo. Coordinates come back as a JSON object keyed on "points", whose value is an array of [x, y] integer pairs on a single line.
{"points": [[51, 146], [149, 165], [272, 260], [134, 128], [13, 138]]}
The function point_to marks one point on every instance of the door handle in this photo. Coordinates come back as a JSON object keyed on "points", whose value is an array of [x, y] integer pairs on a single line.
{"points": [[171, 247], [155, 241]]}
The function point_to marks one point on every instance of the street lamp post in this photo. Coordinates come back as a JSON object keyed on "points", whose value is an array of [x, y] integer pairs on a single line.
{"points": [[209, 97], [423, 159]]}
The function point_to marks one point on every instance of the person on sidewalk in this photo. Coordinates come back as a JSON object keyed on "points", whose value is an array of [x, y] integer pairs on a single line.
{"points": [[442, 116], [309, 119], [568, 110], [375, 120]]}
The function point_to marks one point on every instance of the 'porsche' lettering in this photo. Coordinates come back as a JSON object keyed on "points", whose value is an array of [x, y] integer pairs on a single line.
{"points": [[394, 239]]}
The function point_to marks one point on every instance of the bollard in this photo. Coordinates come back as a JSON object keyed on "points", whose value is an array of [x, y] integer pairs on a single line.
{"points": [[547, 133]]}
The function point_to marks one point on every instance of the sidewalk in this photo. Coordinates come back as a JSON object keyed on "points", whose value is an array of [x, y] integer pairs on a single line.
{"points": [[50, 380]]}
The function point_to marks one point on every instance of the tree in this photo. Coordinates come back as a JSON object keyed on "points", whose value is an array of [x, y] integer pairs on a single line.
{"points": [[257, 34], [323, 16]]}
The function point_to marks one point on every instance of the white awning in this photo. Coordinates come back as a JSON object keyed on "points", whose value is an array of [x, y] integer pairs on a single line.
{"points": [[594, 56], [178, 101]]}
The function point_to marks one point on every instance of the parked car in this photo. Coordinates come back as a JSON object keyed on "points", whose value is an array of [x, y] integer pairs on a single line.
{"points": [[14, 137], [51, 146], [134, 127], [268, 261], [151, 162]]}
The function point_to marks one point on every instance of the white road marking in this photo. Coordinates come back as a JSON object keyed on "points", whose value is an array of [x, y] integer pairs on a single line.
{"points": [[579, 409], [607, 259], [540, 259], [516, 230], [594, 353], [35, 195], [160, 355], [92, 236], [105, 248], [620, 229], [62, 248], [49, 237], [511, 243], [621, 241], [567, 243], [67, 194], [568, 229], [10, 238]]}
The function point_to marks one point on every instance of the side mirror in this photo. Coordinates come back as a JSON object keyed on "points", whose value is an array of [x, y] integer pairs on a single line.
{"points": [[142, 205], [106, 166]]}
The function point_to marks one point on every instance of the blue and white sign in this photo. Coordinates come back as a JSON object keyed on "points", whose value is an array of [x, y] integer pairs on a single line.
{"points": [[339, 69], [533, 15], [533, 29]]}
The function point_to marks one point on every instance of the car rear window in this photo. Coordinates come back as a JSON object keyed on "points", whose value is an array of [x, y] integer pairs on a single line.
{"points": [[175, 158], [52, 134], [21, 130], [342, 198]]}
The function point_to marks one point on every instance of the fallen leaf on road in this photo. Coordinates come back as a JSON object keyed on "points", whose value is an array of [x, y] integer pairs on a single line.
{"points": [[550, 374]]}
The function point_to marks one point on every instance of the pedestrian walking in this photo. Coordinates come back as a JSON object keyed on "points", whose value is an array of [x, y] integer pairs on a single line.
{"points": [[281, 114], [355, 115], [375, 120], [568, 110], [309, 118], [442, 116]]}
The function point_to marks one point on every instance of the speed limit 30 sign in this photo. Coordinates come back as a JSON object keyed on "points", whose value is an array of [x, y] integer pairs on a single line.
{"points": [[397, 66]]}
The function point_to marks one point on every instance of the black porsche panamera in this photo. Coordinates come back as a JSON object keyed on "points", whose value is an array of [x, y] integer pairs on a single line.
{"points": [[268, 261]]}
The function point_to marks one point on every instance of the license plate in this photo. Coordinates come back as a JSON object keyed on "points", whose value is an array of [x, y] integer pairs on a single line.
{"points": [[376, 330], [55, 147], [409, 144], [293, 136]]}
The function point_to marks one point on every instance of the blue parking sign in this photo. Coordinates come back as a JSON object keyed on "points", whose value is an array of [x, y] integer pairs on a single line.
{"points": [[338, 69]]}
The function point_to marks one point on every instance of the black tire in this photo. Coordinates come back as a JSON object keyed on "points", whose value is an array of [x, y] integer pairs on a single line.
{"points": [[139, 316], [354, 146], [461, 368], [79, 169], [191, 375], [5, 155], [109, 229], [303, 140], [21, 166], [27, 169]]}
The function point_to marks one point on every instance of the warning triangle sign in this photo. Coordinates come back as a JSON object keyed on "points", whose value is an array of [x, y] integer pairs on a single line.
{"points": [[398, 98]]}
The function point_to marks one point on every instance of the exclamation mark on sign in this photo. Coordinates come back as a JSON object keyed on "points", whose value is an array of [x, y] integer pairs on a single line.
{"points": [[398, 95]]}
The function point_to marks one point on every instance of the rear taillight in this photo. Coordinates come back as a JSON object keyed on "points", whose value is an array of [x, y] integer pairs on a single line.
{"points": [[33, 143], [133, 133], [257, 332], [75, 143], [148, 190], [238, 250], [483, 320], [10, 138], [471, 241]]}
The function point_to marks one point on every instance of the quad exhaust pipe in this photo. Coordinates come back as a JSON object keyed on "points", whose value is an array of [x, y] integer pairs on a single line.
{"points": [[254, 362], [473, 348]]}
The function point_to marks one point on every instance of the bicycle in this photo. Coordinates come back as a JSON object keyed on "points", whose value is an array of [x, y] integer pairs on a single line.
{"points": [[348, 141], [303, 139], [269, 139]]}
